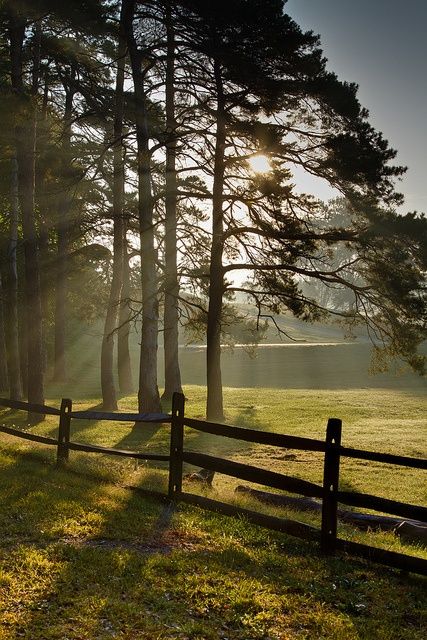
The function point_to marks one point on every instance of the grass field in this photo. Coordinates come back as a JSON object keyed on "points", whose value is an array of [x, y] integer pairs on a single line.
{"points": [[322, 359], [83, 554]]}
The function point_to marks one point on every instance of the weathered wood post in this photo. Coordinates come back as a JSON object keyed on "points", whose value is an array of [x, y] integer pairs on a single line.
{"points": [[331, 471], [176, 445], [64, 431]]}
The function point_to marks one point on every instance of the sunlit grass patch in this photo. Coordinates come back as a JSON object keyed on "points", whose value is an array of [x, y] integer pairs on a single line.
{"points": [[83, 556]]}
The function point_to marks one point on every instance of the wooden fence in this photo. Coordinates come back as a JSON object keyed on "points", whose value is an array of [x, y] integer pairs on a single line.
{"points": [[328, 492]]}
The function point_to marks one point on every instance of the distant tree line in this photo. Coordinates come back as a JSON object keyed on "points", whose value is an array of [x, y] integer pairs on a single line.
{"points": [[127, 191]]}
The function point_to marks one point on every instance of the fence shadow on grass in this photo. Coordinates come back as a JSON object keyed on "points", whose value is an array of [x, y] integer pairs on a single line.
{"points": [[141, 573], [329, 492], [249, 417]]}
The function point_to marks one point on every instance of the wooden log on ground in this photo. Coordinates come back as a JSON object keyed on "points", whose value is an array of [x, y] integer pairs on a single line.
{"points": [[302, 504], [411, 530]]}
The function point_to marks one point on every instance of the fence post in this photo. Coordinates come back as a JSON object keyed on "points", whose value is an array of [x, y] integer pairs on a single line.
{"points": [[176, 445], [331, 471], [64, 431]]}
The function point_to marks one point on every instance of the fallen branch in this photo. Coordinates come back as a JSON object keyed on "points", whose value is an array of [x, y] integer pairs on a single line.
{"points": [[411, 530]]}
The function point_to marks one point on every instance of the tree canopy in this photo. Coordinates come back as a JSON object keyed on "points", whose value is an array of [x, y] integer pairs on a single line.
{"points": [[129, 131]]}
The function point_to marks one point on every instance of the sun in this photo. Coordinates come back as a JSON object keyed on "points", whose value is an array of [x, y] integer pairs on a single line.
{"points": [[260, 164]]}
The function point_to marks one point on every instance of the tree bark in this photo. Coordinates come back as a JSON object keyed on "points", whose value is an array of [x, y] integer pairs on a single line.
{"points": [[148, 393], [215, 408], [62, 234], [25, 148], [4, 385], [44, 208], [109, 399], [26, 161], [23, 338], [123, 353], [11, 291], [45, 213], [171, 318]]}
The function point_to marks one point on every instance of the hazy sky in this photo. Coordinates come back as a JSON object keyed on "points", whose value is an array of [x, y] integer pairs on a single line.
{"points": [[381, 45]]}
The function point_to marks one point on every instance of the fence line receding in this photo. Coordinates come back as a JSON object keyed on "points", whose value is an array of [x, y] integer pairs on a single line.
{"points": [[328, 491]]}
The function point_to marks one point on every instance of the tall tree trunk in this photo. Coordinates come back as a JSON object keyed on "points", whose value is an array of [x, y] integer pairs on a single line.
{"points": [[4, 385], [45, 214], [214, 407], [11, 307], [172, 371], [109, 399], [25, 147], [45, 266], [62, 233], [123, 353], [23, 337], [148, 393], [59, 359], [26, 159]]}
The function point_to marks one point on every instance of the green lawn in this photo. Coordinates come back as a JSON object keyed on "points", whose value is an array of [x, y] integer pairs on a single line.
{"points": [[84, 554]]}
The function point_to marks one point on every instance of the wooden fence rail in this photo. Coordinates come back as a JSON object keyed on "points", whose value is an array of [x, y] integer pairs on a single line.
{"points": [[26, 406], [388, 458], [63, 443], [258, 437], [329, 491], [253, 474]]}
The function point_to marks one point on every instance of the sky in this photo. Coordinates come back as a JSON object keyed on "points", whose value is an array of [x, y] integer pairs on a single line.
{"points": [[382, 46]]}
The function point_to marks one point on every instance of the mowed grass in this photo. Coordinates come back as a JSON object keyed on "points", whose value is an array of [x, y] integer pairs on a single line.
{"points": [[84, 553]]}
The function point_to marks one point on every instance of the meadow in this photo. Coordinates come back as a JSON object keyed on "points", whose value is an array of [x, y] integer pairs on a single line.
{"points": [[86, 553], [322, 358]]}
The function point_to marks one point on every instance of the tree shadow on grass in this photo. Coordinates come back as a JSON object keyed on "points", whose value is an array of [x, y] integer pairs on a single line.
{"points": [[218, 445], [140, 434], [259, 456], [153, 438], [95, 561]]}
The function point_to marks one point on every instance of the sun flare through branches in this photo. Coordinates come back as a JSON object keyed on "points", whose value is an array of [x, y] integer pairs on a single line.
{"points": [[260, 164]]}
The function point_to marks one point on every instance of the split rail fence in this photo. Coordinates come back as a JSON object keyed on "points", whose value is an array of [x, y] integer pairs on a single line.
{"points": [[328, 492]]}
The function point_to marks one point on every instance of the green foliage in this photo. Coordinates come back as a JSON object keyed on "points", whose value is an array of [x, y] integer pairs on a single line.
{"points": [[280, 100], [237, 326], [367, 267]]}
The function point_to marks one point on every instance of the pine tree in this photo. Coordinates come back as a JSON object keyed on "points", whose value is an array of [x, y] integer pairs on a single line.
{"points": [[25, 152], [272, 94], [119, 233], [139, 55]]}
